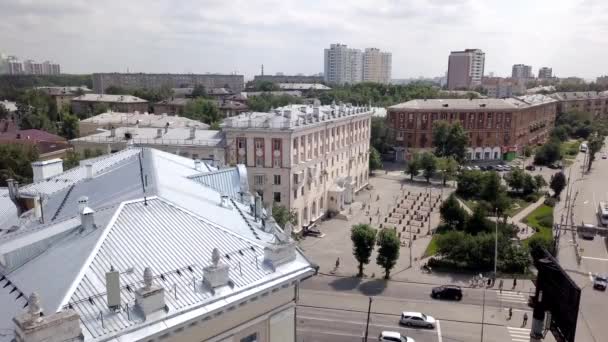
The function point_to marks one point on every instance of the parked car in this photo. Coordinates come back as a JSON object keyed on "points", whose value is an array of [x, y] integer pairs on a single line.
{"points": [[500, 168], [506, 168], [587, 231], [417, 319], [491, 167], [447, 292], [394, 336], [530, 167], [600, 282], [476, 168], [604, 155], [556, 165], [483, 168]]}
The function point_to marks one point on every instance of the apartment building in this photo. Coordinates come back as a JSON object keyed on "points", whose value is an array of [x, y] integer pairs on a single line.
{"points": [[28, 67], [497, 128], [309, 158], [101, 81], [63, 95], [592, 102], [465, 69], [105, 121], [343, 65], [522, 71], [500, 88], [377, 66], [288, 78], [190, 142], [143, 245], [172, 106], [87, 104], [545, 73]]}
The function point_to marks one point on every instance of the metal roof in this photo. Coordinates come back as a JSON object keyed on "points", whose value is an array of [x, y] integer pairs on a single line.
{"points": [[109, 98], [471, 104], [143, 120], [149, 136], [225, 181]]}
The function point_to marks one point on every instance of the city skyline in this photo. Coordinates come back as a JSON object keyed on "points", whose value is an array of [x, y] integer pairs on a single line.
{"points": [[290, 38]]}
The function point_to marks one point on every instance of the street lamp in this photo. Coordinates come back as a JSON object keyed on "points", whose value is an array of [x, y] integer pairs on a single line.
{"points": [[495, 242], [369, 310]]}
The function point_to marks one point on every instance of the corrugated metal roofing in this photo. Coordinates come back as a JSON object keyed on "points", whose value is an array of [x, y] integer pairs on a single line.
{"points": [[225, 181]]}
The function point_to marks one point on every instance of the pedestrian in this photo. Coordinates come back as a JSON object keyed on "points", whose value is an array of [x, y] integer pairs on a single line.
{"points": [[525, 319], [510, 313], [514, 282], [337, 263], [370, 220], [500, 283]]}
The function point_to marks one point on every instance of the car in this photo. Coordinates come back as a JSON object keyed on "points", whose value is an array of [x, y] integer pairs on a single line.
{"points": [[483, 168], [500, 168], [447, 292], [394, 336], [506, 168], [556, 165], [587, 231], [476, 168], [417, 319], [604, 155], [600, 282], [530, 167], [490, 167]]}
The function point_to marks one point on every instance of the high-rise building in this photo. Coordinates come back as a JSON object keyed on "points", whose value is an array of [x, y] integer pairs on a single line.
{"points": [[465, 68], [544, 73], [344, 65], [13, 66], [522, 71], [377, 66], [102, 81]]}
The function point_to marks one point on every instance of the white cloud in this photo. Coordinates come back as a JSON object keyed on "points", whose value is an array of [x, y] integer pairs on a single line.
{"points": [[289, 35]]}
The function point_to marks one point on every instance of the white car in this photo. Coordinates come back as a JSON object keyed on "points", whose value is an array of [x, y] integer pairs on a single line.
{"points": [[394, 336], [417, 319], [604, 156]]}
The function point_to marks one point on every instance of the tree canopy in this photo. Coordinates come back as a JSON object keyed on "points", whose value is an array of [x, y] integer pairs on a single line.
{"points": [[363, 237], [388, 253], [202, 110], [450, 140]]}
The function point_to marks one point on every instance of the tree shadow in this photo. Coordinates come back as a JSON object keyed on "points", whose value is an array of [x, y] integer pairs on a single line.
{"points": [[373, 287], [345, 283]]}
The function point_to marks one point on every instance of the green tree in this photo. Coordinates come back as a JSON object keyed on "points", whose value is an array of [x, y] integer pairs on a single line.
{"points": [[596, 142], [413, 166], [453, 214], [491, 186], [100, 108], [69, 126], [375, 162], [15, 162], [199, 91], [71, 160], [202, 110], [540, 182], [388, 253], [558, 183], [529, 184], [282, 215], [560, 133], [527, 151], [548, 153], [448, 168], [515, 179], [478, 222], [450, 140], [470, 183], [441, 131], [428, 164], [380, 136], [363, 237]]}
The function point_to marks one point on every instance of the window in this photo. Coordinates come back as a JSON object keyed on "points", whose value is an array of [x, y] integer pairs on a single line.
{"points": [[258, 180], [194, 155], [295, 194], [241, 150], [251, 338], [277, 197], [277, 153], [295, 178], [259, 152], [277, 180], [302, 191]]}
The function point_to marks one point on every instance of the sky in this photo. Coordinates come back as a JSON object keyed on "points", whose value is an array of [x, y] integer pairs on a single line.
{"points": [[238, 36]]}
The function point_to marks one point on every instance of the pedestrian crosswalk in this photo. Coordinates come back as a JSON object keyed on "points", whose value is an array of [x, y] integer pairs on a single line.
{"points": [[519, 334], [511, 297]]}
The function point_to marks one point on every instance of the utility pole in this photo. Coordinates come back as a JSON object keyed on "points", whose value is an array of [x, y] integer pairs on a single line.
{"points": [[495, 243], [369, 310], [483, 312]]}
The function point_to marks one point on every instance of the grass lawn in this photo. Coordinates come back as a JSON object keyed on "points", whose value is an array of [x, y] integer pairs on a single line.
{"points": [[518, 204], [431, 249], [570, 149], [543, 226]]}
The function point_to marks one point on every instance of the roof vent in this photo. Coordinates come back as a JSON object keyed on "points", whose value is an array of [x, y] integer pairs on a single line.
{"points": [[89, 170], [482, 105], [197, 164], [150, 298], [83, 202], [445, 105], [225, 203], [113, 288], [192, 133], [87, 219], [34, 326], [217, 274], [159, 133], [258, 206]]}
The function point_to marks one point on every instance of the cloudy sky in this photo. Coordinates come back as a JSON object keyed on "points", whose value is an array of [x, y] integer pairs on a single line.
{"points": [[289, 35]]}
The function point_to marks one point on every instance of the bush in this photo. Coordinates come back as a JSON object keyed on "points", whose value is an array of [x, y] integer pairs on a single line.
{"points": [[550, 201], [532, 197], [546, 221]]}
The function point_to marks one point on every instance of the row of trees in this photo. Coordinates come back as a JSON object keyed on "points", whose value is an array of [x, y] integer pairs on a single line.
{"points": [[365, 238]]}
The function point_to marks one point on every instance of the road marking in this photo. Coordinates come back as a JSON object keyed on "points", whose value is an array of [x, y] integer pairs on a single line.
{"points": [[439, 338], [328, 332], [519, 334], [360, 323], [593, 258], [511, 297], [590, 276]]}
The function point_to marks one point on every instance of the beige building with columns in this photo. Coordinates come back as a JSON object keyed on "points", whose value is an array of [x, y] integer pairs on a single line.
{"points": [[311, 159]]}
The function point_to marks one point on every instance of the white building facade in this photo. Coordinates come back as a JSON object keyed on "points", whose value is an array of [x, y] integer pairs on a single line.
{"points": [[377, 66], [311, 159]]}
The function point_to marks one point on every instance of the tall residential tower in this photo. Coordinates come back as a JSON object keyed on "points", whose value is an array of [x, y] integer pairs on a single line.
{"points": [[344, 65], [465, 68]]}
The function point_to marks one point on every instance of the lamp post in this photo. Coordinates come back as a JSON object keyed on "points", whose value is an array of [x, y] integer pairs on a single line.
{"points": [[369, 310], [495, 242]]}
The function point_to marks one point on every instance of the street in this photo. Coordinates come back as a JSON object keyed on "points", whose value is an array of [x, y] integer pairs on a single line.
{"points": [[335, 309]]}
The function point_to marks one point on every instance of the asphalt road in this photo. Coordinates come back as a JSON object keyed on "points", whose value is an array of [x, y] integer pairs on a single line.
{"points": [[588, 190], [335, 309]]}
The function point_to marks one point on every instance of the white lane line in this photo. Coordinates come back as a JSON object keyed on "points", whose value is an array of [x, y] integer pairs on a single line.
{"points": [[520, 339], [593, 258], [518, 310], [519, 329], [328, 332], [439, 338], [360, 323]]}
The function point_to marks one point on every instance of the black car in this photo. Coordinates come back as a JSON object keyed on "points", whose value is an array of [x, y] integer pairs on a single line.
{"points": [[447, 292], [531, 167]]}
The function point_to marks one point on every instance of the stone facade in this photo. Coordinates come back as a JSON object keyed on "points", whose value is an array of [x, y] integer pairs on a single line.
{"points": [[583, 101]]}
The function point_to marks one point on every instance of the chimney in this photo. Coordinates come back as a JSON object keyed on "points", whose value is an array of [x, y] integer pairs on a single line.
{"points": [[83, 202], [112, 132], [258, 206], [89, 170], [270, 222], [113, 288], [13, 189], [87, 218], [166, 128], [282, 252], [197, 164], [37, 206], [33, 326], [150, 298], [45, 169], [192, 133], [218, 274], [225, 202], [159, 133]]}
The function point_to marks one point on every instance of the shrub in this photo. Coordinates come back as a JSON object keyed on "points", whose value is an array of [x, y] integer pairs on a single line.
{"points": [[546, 221], [532, 197], [550, 201]]}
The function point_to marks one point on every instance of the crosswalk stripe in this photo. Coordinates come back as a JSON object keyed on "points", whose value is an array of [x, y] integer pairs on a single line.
{"points": [[521, 339], [510, 294], [518, 329], [514, 301]]}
